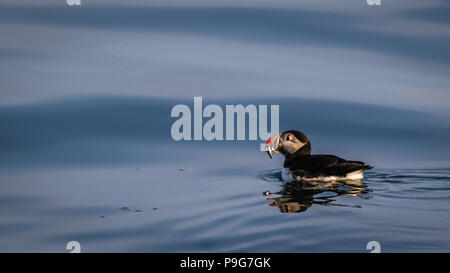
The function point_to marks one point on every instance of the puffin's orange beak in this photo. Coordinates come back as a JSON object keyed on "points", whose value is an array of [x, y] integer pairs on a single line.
{"points": [[273, 145]]}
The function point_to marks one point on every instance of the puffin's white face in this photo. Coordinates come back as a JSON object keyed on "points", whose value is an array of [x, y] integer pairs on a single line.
{"points": [[287, 142], [290, 144]]}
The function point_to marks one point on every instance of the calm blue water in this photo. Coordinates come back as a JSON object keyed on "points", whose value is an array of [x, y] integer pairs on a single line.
{"points": [[101, 172], [85, 147]]}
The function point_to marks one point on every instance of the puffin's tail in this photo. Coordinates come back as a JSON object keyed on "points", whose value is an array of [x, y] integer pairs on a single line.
{"points": [[349, 168], [366, 167], [360, 166]]}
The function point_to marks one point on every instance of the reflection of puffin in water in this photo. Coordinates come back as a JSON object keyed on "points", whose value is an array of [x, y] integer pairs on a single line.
{"points": [[298, 197], [299, 164]]}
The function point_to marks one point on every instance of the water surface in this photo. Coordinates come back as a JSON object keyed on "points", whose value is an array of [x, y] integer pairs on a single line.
{"points": [[100, 172], [85, 147]]}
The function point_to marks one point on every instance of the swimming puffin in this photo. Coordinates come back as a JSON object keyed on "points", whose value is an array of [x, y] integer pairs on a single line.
{"points": [[300, 165]]}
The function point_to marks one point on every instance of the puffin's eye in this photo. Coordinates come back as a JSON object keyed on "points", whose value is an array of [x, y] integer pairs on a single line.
{"points": [[288, 138]]}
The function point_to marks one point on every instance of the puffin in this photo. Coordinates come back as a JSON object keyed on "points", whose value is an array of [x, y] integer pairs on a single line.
{"points": [[301, 165]]}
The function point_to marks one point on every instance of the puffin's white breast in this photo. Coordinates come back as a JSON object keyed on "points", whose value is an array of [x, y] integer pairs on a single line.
{"points": [[286, 176]]}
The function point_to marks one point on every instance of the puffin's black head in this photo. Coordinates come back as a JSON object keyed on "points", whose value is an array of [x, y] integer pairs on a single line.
{"points": [[288, 143]]}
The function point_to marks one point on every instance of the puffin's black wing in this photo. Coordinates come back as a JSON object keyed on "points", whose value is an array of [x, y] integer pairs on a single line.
{"points": [[325, 165], [314, 163], [341, 169]]}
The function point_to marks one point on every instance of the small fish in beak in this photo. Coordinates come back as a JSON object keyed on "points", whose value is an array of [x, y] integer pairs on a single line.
{"points": [[273, 145]]}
